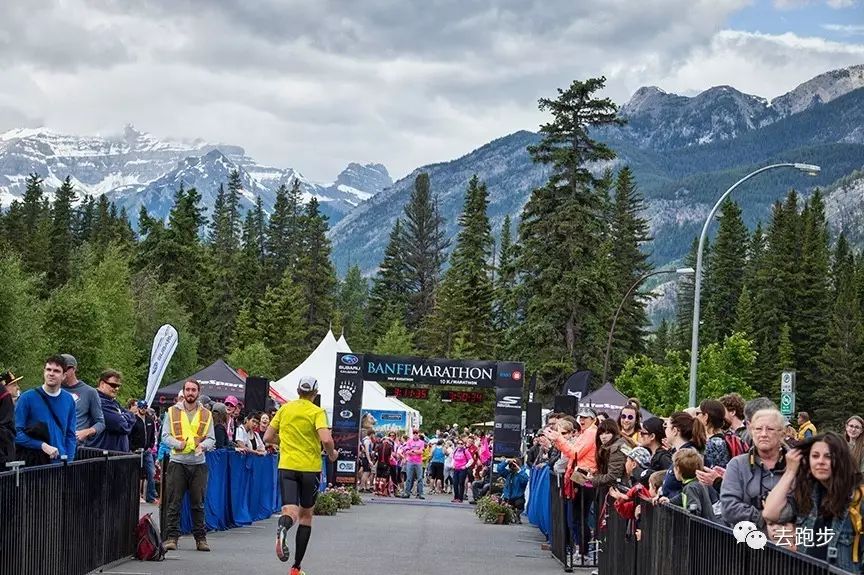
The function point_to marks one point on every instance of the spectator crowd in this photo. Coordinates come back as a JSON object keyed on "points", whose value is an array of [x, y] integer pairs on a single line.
{"points": [[725, 461]]}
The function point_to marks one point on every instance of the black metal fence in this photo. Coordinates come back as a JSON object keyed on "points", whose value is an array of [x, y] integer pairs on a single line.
{"points": [[675, 543], [69, 518], [559, 534]]}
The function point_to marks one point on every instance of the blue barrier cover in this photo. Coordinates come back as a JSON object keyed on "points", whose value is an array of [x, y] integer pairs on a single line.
{"points": [[539, 512], [241, 489]]}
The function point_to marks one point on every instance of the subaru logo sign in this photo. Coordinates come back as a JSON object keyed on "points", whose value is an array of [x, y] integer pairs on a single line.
{"points": [[350, 359], [346, 414]]}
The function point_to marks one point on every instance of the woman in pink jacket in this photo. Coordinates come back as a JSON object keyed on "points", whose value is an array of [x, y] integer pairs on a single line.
{"points": [[462, 463]]}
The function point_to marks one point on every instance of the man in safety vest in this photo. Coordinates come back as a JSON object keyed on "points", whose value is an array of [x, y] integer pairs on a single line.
{"points": [[188, 430], [806, 429]]}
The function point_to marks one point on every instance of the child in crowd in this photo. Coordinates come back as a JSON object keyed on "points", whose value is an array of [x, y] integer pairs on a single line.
{"points": [[694, 496]]}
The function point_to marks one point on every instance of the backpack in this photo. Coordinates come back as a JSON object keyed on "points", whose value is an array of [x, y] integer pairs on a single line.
{"points": [[735, 444], [149, 546]]}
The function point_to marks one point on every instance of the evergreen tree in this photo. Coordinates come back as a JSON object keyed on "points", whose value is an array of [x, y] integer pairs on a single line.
{"points": [[744, 314], [424, 241], [811, 298], [85, 218], [727, 262], [465, 298], [506, 306], [62, 239], [841, 362], [661, 343], [566, 288], [388, 299], [250, 266], [314, 273], [396, 340], [284, 234], [23, 343], [628, 235], [245, 332], [353, 300], [685, 294], [34, 244], [282, 323]]}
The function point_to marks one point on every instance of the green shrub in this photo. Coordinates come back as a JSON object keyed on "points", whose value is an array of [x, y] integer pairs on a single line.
{"points": [[326, 504], [490, 507]]}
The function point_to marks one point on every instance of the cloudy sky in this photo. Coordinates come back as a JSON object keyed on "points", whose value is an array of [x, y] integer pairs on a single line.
{"points": [[315, 84]]}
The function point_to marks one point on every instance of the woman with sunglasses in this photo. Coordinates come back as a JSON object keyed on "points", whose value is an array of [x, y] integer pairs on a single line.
{"points": [[682, 431], [651, 437], [630, 420], [855, 439], [820, 491]]}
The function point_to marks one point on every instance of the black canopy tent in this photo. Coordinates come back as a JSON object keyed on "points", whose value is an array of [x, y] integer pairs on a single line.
{"points": [[610, 400], [218, 380]]}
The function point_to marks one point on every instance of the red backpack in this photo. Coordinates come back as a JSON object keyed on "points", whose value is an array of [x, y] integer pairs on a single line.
{"points": [[150, 546], [735, 444]]}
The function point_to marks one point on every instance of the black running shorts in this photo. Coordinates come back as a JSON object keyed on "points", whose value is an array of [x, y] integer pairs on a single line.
{"points": [[299, 487]]}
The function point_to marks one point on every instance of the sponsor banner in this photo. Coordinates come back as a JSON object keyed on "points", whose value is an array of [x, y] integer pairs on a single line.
{"points": [[429, 371], [383, 421], [164, 345], [347, 405], [577, 384], [508, 409]]}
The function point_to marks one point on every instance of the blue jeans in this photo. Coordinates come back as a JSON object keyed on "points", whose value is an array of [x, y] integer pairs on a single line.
{"points": [[150, 471], [414, 472]]}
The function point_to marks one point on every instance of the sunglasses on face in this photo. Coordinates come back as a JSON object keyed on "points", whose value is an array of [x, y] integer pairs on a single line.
{"points": [[628, 417], [114, 384]]}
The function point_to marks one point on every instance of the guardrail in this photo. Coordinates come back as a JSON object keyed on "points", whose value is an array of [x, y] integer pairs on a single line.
{"points": [[675, 543], [69, 518]]}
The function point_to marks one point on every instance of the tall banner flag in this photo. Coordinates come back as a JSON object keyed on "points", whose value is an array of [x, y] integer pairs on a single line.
{"points": [[577, 384], [347, 413], [508, 409], [164, 345]]}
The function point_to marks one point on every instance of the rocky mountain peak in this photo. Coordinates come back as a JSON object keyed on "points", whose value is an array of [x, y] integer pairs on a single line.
{"points": [[820, 90]]}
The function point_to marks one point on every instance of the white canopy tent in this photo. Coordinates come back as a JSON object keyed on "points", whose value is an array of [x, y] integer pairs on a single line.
{"points": [[321, 364]]}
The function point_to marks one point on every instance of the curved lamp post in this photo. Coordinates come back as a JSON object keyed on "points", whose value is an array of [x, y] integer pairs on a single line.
{"points": [[679, 271], [808, 169]]}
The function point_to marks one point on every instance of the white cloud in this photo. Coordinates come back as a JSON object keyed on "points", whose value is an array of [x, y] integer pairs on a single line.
{"points": [[796, 4], [846, 29], [315, 85]]}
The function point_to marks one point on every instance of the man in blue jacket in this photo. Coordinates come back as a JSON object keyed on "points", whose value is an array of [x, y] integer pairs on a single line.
{"points": [[118, 421], [45, 416], [515, 482]]}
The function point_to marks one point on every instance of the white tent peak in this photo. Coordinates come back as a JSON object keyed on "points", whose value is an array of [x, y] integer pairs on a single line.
{"points": [[321, 364]]}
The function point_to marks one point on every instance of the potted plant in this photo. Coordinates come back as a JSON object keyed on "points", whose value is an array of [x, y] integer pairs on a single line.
{"points": [[492, 509], [325, 504]]}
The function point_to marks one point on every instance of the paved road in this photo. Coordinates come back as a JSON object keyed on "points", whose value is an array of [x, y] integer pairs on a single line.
{"points": [[401, 538]]}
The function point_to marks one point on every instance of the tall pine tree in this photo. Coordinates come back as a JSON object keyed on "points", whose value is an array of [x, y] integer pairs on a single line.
{"points": [[727, 261], [564, 282], [424, 241], [62, 235], [388, 299], [315, 275]]}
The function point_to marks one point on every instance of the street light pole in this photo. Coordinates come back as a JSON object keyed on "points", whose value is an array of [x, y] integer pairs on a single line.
{"points": [[809, 169], [679, 271]]}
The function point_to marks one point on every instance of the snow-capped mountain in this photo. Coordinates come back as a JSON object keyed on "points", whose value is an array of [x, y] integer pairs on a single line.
{"points": [[684, 151], [665, 121], [136, 169]]}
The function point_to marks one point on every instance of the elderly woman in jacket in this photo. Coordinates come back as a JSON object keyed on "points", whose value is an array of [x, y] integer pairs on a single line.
{"points": [[751, 476]]}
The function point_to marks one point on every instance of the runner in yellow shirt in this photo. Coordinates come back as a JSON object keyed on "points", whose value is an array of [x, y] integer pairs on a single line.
{"points": [[300, 428]]}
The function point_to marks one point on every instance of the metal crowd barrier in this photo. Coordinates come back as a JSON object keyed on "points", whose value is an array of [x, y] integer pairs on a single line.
{"points": [[675, 543], [69, 518]]}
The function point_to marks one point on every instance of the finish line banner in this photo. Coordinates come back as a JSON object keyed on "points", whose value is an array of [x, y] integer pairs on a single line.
{"points": [[508, 409], [395, 369], [347, 411]]}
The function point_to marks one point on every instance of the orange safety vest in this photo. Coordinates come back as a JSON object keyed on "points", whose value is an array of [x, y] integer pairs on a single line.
{"points": [[175, 417]]}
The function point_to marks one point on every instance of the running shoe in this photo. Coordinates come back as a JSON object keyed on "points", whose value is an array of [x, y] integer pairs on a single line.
{"points": [[296, 571], [282, 550]]}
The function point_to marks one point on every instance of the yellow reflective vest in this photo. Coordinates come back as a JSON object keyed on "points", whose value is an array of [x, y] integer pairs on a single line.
{"points": [[189, 432]]}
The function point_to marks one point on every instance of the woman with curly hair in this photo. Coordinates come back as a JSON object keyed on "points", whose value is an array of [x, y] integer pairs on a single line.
{"points": [[821, 491]]}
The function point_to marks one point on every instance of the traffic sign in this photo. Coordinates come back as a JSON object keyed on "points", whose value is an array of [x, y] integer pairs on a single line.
{"points": [[787, 382], [787, 403]]}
